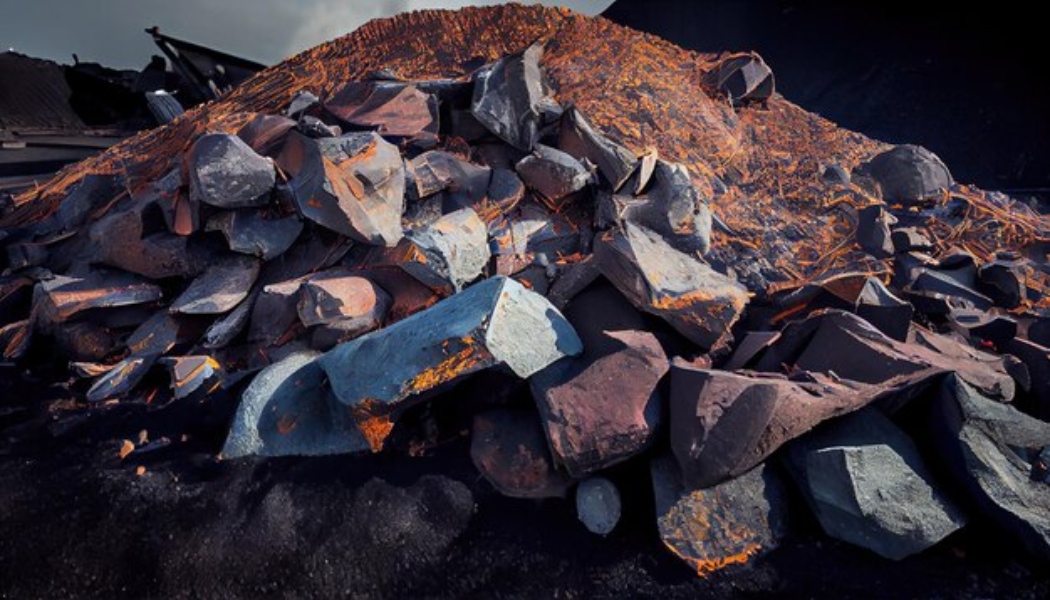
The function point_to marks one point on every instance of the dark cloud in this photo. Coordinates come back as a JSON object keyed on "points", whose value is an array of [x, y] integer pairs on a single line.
{"points": [[111, 31]]}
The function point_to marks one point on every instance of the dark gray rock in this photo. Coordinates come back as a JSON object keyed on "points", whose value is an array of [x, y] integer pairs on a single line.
{"points": [[873, 230], [578, 138], [251, 232], [275, 312], [744, 78], [728, 525], [978, 442], [699, 302], [60, 298], [121, 379], [908, 239], [227, 327], [982, 326], [909, 174], [495, 322], [553, 174], [391, 108], [451, 251], [288, 411], [120, 240], [301, 102], [880, 307], [220, 288], [225, 172], [671, 207], [265, 133], [508, 97], [509, 450], [1005, 281], [192, 373], [598, 505], [867, 485]]}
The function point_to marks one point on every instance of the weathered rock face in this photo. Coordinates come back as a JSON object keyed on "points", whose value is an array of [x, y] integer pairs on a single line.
{"points": [[979, 442], [226, 173], [508, 448], [868, 485], [729, 524], [909, 174]]}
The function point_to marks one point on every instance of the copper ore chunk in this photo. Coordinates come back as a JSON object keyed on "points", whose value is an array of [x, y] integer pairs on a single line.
{"points": [[288, 411], [508, 97], [225, 172], [508, 448], [594, 415], [699, 302], [353, 184], [250, 232], [495, 322], [553, 174], [390, 108], [220, 288], [731, 524], [578, 138]]}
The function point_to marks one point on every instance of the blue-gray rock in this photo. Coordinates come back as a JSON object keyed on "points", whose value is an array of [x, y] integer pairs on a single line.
{"points": [[225, 172], [577, 137], [220, 288], [553, 174], [598, 505], [909, 174], [672, 207], [868, 485], [288, 411], [450, 252], [495, 322], [61, 297], [508, 98]]}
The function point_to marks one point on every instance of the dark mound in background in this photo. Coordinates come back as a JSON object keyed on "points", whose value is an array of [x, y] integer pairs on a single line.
{"points": [[969, 84]]}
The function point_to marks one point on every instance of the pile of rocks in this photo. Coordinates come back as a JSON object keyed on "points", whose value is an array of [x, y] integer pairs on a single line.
{"points": [[364, 257]]}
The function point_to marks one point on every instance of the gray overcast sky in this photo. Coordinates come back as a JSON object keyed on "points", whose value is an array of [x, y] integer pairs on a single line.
{"points": [[111, 31]]}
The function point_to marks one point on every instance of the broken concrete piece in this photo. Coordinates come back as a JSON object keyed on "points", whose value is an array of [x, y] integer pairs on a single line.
{"points": [[491, 323], [288, 411], [225, 172], [696, 300], [220, 288], [598, 505], [390, 108], [723, 424], [873, 231], [192, 373], [508, 448], [909, 174], [450, 252], [553, 174], [868, 485], [744, 78], [595, 417], [59, 298], [976, 438], [250, 232], [578, 138], [353, 184], [508, 97], [730, 524]]}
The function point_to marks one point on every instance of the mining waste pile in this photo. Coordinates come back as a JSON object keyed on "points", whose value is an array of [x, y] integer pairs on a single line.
{"points": [[514, 302]]}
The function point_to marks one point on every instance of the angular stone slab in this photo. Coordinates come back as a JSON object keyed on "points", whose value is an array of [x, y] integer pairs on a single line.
{"points": [[337, 297], [452, 250], [495, 322], [598, 505], [121, 379], [388, 107], [672, 207], [250, 232], [508, 98], [578, 138], [508, 448], [909, 174], [437, 171], [873, 230], [353, 184], [553, 174], [219, 289], [595, 416], [119, 240], [723, 424], [699, 302], [192, 373], [275, 313], [265, 133], [744, 78], [15, 339], [1005, 281], [288, 411], [226, 173], [868, 485], [533, 234], [978, 442], [60, 298], [729, 525]]}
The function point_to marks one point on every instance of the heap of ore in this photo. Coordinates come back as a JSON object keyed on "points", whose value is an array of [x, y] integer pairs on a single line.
{"points": [[375, 249]]}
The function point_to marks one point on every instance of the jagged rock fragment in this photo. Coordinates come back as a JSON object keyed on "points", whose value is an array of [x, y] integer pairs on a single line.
{"points": [[508, 448], [699, 302], [868, 485], [672, 207], [250, 232], [390, 108], [220, 288], [982, 326], [553, 174], [744, 78], [1004, 281], [450, 252], [873, 230], [226, 173], [508, 98], [59, 298], [578, 138], [192, 373], [265, 133], [121, 379]]}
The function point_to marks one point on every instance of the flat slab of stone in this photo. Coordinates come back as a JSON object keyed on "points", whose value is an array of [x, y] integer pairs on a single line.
{"points": [[61, 297], [250, 232], [495, 322], [508, 448], [220, 288], [868, 485], [553, 174], [225, 172], [391, 108], [729, 525], [288, 411], [699, 302], [450, 252], [508, 97]]}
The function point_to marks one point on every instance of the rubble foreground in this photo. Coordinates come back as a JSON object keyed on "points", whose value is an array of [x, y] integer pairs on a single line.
{"points": [[579, 267]]}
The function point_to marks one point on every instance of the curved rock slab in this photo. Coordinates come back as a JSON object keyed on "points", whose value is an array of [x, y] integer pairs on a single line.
{"points": [[979, 441], [288, 411], [868, 485], [701, 303], [353, 184], [728, 525], [495, 322], [723, 424]]}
